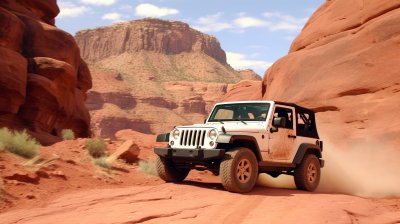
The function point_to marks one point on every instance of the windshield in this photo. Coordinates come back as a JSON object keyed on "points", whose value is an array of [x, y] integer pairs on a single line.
{"points": [[240, 112]]}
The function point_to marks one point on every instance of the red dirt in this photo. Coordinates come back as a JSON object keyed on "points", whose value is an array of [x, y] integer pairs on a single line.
{"points": [[74, 171]]}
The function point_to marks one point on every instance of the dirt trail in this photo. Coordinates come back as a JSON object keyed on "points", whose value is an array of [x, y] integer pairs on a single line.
{"points": [[196, 202]]}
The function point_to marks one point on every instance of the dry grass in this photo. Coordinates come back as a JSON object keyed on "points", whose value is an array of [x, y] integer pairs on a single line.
{"points": [[105, 161], [67, 134], [19, 143], [148, 167], [96, 148]]}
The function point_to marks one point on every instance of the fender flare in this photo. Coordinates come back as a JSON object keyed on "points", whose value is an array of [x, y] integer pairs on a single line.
{"points": [[303, 149], [163, 137], [230, 139]]}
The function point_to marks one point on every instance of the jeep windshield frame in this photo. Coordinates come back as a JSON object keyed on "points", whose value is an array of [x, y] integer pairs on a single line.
{"points": [[240, 112]]}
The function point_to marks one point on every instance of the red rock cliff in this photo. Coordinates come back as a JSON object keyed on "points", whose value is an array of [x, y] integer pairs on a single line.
{"points": [[43, 80], [161, 36], [345, 65]]}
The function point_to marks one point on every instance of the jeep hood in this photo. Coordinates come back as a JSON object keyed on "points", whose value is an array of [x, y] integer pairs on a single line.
{"points": [[228, 128]]}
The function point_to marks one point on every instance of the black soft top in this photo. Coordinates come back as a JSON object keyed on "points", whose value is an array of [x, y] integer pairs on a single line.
{"points": [[311, 134]]}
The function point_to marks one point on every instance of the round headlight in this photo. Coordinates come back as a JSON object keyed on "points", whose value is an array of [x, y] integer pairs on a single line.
{"points": [[213, 134], [175, 134]]}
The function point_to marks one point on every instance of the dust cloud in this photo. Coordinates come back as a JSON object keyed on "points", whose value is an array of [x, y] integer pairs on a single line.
{"points": [[369, 170]]}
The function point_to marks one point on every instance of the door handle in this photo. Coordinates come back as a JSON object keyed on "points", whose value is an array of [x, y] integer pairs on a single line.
{"points": [[291, 136]]}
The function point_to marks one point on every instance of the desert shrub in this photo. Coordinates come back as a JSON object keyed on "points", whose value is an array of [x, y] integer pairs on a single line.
{"points": [[102, 161], [67, 134], [96, 148], [148, 167], [123, 140], [105, 161], [19, 143]]}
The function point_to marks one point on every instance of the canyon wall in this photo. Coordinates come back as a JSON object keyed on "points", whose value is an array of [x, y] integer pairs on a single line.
{"points": [[150, 75], [161, 36], [345, 66], [43, 80]]}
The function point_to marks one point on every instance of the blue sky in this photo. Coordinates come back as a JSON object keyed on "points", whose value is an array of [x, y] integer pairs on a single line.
{"points": [[253, 33]]}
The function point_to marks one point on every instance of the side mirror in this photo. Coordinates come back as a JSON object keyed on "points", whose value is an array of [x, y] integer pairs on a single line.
{"points": [[278, 122]]}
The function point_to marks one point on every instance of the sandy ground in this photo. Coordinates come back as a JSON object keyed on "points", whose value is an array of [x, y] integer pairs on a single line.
{"points": [[205, 202], [71, 189]]}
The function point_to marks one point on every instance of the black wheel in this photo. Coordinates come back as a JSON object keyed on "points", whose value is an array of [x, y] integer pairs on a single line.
{"points": [[239, 170], [308, 173], [168, 172]]}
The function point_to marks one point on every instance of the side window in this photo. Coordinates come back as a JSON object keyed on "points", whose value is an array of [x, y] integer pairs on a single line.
{"points": [[304, 122], [286, 113]]}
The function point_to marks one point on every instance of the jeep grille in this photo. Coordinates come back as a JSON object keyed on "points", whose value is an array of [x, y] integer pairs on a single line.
{"points": [[192, 137]]}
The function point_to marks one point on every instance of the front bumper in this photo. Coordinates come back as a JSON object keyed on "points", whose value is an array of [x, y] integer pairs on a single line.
{"points": [[190, 153]]}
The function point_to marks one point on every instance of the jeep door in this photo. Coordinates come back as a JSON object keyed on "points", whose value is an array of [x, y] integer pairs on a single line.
{"points": [[282, 142]]}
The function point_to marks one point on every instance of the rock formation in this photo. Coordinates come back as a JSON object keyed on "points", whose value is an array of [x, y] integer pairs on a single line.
{"points": [[151, 75], [345, 65], [249, 74], [43, 80], [161, 36]]}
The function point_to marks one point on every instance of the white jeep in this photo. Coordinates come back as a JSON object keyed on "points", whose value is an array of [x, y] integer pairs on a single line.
{"points": [[239, 140]]}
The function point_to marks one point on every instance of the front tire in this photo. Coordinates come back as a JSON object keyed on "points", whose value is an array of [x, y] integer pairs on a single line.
{"points": [[167, 171], [308, 173], [239, 170]]}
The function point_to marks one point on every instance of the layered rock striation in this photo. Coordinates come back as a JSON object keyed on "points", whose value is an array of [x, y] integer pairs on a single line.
{"points": [[345, 65], [151, 75], [43, 80], [156, 35]]}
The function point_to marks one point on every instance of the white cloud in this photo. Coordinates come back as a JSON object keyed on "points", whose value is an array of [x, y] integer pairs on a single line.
{"points": [[150, 10], [254, 55], [210, 23], [241, 14], [69, 9], [126, 8], [244, 22], [209, 18], [285, 22], [116, 17], [239, 61], [215, 27], [99, 2]]}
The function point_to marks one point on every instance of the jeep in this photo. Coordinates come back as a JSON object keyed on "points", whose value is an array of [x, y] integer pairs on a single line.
{"points": [[241, 139]]}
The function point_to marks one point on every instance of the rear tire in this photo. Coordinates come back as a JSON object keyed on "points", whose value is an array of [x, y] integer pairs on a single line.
{"points": [[168, 172], [308, 173], [239, 170]]}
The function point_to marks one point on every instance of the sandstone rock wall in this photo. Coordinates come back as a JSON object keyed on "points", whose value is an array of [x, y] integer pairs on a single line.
{"points": [[43, 80], [345, 65], [161, 36]]}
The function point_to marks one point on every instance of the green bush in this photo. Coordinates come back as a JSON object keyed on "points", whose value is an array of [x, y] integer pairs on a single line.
{"points": [[96, 148], [67, 134], [19, 143]]}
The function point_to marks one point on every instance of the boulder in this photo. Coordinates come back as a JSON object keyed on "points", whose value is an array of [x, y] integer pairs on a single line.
{"points": [[128, 151]]}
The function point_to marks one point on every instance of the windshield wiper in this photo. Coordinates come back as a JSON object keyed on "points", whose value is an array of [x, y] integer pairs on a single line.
{"points": [[238, 119], [220, 121]]}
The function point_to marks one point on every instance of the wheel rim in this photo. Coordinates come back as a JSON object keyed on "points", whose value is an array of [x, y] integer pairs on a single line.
{"points": [[311, 173], [244, 171]]}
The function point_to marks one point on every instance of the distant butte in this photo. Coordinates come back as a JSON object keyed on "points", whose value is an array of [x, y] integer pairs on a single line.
{"points": [[151, 75]]}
